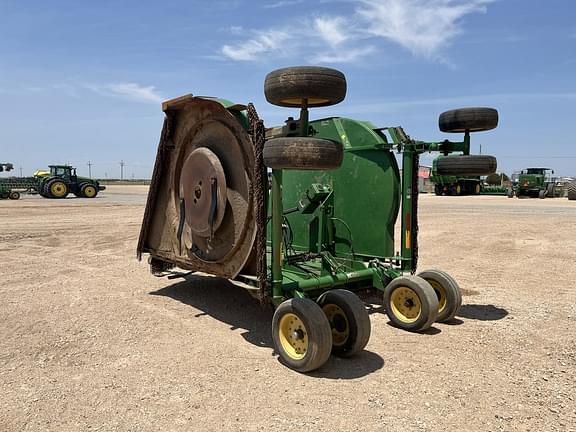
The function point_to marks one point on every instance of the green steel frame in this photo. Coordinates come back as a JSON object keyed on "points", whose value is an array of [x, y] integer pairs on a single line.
{"points": [[321, 266]]}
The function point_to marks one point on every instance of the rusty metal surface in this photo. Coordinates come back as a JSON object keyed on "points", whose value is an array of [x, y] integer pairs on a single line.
{"points": [[154, 184], [202, 177], [257, 134], [200, 123]]}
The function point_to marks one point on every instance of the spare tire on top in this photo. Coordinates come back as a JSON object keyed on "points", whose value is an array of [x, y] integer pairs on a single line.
{"points": [[468, 119], [320, 86]]}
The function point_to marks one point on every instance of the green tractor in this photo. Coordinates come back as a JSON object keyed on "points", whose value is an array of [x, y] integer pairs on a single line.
{"points": [[6, 191], [454, 185], [62, 180], [323, 234], [535, 183]]}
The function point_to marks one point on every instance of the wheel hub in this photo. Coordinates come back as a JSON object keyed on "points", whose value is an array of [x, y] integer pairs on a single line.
{"points": [[203, 188], [293, 336], [405, 304]]}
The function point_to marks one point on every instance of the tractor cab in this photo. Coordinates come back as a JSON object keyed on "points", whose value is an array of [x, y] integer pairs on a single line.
{"points": [[535, 182], [537, 171], [65, 171]]}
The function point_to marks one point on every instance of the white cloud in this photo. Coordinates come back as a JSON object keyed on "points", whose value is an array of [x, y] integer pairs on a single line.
{"points": [[344, 56], [264, 43], [282, 3], [132, 91], [424, 27], [332, 30]]}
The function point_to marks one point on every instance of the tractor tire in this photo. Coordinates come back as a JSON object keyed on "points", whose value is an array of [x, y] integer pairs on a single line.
{"points": [[319, 86], [57, 189], [348, 320], [510, 193], [302, 153], [88, 190], [466, 165], [550, 189], [301, 334], [572, 190], [542, 194], [468, 119], [438, 190], [411, 303], [14, 195]]}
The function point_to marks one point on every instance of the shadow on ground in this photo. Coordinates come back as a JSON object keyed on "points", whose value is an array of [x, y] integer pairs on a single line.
{"points": [[482, 312], [358, 366], [225, 302], [234, 306]]}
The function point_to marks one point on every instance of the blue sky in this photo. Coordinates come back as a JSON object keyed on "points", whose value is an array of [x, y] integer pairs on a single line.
{"points": [[83, 81]]}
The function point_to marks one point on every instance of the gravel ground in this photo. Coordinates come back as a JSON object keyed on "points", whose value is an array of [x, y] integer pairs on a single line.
{"points": [[89, 340]]}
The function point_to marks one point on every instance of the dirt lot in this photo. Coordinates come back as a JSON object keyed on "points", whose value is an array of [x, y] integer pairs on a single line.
{"points": [[89, 340]]}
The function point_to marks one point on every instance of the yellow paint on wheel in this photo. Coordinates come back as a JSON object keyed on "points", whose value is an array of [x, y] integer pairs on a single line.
{"points": [[405, 304], [458, 189], [90, 191], [440, 293], [58, 189], [477, 188], [338, 323], [293, 336], [311, 101]]}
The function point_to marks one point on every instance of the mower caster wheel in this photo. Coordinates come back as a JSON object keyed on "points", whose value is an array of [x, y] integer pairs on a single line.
{"points": [[301, 334], [348, 320], [411, 303], [447, 291]]}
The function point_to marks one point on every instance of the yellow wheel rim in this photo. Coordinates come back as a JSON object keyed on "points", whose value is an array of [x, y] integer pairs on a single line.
{"points": [[58, 189], [90, 191], [440, 293], [338, 323], [311, 101], [405, 304], [477, 189], [458, 189], [293, 336]]}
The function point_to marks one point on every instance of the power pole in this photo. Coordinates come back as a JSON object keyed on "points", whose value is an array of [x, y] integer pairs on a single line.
{"points": [[122, 170], [480, 148], [20, 171], [90, 169]]}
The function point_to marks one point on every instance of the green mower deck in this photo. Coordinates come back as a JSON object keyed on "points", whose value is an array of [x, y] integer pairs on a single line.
{"points": [[322, 230]]}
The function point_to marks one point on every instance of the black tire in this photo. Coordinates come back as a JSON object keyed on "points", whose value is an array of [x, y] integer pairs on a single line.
{"points": [[542, 194], [411, 303], [306, 346], [14, 195], [438, 190], [510, 193], [302, 153], [88, 190], [468, 119], [349, 321], [320, 86], [572, 190], [466, 165], [550, 190], [51, 185], [447, 291]]}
